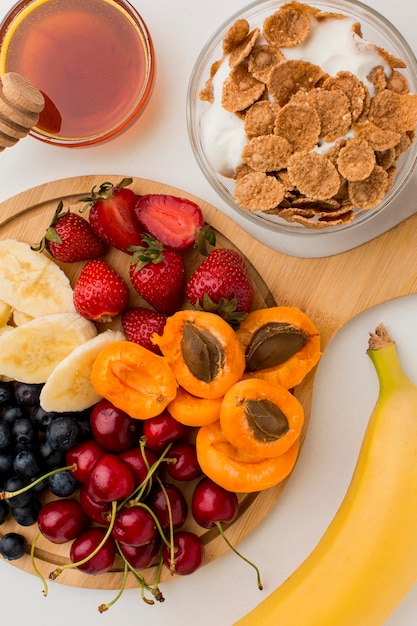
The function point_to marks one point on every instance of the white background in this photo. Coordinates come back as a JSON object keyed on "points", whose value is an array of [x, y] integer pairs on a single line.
{"points": [[157, 147]]}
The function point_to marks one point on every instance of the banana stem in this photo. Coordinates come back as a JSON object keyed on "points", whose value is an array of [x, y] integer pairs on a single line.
{"points": [[382, 351]]}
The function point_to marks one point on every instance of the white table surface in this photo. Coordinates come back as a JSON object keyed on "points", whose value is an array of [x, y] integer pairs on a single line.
{"points": [[157, 147]]}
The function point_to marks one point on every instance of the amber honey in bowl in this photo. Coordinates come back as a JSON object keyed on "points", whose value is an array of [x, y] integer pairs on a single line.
{"points": [[93, 61]]}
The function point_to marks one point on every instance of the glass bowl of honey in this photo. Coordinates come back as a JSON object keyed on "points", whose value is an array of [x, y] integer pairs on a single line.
{"points": [[92, 60]]}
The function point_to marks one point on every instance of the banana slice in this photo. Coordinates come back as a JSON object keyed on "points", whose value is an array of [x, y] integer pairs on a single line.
{"points": [[29, 353], [20, 318], [5, 313], [31, 282], [68, 388]]}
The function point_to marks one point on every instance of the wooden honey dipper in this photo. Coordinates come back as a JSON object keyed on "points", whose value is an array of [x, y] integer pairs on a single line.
{"points": [[20, 105]]}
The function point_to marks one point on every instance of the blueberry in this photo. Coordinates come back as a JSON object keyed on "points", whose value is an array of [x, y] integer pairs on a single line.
{"points": [[6, 392], [14, 483], [4, 511], [13, 412], [5, 436], [50, 458], [42, 418], [6, 462], [27, 394], [63, 433], [39, 486], [26, 464], [28, 514], [62, 484], [23, 430], [12, 546]]}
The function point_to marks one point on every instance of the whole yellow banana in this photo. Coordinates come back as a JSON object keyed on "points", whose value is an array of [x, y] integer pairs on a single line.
{"points": [[366, 561]]}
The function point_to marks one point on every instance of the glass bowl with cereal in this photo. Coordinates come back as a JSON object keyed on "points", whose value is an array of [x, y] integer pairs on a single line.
{"points": [[302, 116]]}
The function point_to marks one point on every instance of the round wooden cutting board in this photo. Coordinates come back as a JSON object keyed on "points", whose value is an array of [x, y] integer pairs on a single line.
{"points": [[26, 218]]}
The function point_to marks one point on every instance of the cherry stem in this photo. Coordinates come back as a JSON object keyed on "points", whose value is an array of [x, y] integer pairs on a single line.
{"points": [[32, 559], [153, 590], [11, 494], [105, 607], [171, 529], [155, 519], [54, 575], [137, 494], [232, 547]]}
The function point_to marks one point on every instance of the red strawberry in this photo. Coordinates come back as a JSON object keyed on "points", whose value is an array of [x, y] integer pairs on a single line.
{"points": [[139, 324], [100, 293], [70, 238], [176, 222], [222, 285], [158, 275], [112, 214]]}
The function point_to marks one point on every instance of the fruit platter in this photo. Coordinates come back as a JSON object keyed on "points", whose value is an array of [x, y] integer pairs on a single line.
{"points": [[30, 217], [327, 302]]}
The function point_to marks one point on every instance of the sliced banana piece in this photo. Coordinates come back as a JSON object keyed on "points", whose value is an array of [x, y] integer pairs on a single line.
{"points": [[31, 282], [69, 388], [29, 353], [20, 318], [5, 313]]}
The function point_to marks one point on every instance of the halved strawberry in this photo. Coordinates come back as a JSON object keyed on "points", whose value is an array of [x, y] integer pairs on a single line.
{"points": [[222, 285], [158, 275], [139, 324], [177, 223], [112, 214], [100, 293], [69, 238]]}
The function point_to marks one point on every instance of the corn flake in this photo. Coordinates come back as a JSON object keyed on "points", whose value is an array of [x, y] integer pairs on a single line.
{"points": [[368, 193], [267, 153], [299, 123], [258, 192], [260, 118], [352, 87], [356, 160], [261, 59], [290, 76], [377, 138], [333, 108], [241, 90], [393, 111], [243, 50], [313, 175], [235, 35], [287, 27]]}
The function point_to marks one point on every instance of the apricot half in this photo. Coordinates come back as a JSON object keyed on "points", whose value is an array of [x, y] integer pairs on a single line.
{"points": [[134, 379], [281, 344], [261, 418], [236, 470], [203, 352]]}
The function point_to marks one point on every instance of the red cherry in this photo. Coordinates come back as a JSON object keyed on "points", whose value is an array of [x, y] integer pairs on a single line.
{"points": [[159, 505], [188, 553], [161, 430], [134, 525], [96, 511], [135, 458], [211, 503], [186, 465], [110, 479], [143, 556], [62, 520], [112, 428], [86, 543], [85, 455]]}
